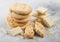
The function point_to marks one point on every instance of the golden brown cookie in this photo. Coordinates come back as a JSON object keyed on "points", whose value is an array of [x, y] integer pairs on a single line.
{"points": [[39, 29], [42, 10], [47, 21], [29, 32], [21, 8], [12, 23], [18, 16], [22, 20]]}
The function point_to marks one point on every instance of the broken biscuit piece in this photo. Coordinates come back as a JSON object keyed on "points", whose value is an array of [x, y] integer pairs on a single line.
{"points": [[16, 31], [47, 21], [39, 29], [42, 10], [29, 33]]}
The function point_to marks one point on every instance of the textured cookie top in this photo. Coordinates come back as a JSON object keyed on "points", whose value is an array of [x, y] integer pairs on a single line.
{"points": [[21, 8]]}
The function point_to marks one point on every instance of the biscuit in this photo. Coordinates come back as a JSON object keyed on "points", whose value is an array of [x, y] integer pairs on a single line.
{"points": [[29, 32], [39, 29], [47, 22], [17, 16], [22, 20], [41, 10], [21, 8], [11, 22], [16, 31]]}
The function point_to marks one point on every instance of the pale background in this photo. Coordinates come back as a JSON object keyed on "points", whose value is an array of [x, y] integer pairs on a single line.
{"points": [[54, 9]]}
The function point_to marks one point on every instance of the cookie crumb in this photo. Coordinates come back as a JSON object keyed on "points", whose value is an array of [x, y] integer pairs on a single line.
{"points": [[4, 31]]}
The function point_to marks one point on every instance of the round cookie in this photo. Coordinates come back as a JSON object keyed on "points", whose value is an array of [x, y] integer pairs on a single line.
{"points": [[22, 20], [11, 22], [21, 8], [17, 16]]}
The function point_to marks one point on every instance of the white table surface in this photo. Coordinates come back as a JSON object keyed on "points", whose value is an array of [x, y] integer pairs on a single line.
{"points": [[52, 5]]}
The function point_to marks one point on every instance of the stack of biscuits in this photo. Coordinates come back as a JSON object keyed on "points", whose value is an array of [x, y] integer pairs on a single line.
{"points": [[19, 15]]}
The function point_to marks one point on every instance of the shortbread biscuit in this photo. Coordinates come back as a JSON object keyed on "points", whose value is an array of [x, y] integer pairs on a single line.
{"points": [[47, 21], [22, 20], [41, 10], [18, 16], [16, 31], [39, 29], [21, 8], [12, 23], [29, 32]]}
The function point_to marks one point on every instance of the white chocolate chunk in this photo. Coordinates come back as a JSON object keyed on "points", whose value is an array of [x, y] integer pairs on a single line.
{"points": [[39, 29], [29, 33], [42, 10], [16, 31]]}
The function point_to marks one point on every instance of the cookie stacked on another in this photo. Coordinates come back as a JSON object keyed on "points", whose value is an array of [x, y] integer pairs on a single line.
{"points": [[19, 15]]}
